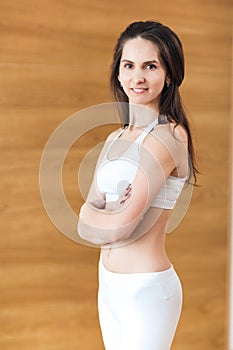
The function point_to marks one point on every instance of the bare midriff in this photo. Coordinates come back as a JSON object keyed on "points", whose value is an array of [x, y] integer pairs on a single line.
{"points": [[146, 254]]}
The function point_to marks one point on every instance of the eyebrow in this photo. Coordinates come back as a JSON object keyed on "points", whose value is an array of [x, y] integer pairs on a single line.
{"points": [[147, 62]]}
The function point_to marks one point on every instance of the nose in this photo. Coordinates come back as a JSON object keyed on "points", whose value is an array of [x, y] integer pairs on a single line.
{"points": [[139, 80], [138, 77]]}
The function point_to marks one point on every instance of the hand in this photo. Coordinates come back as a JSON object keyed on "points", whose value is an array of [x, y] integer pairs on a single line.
{"points": [[123, 197], [99, 203]]}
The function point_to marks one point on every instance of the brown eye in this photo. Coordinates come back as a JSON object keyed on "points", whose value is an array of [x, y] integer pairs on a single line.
{"points": [[150, 66], [128, 65]]}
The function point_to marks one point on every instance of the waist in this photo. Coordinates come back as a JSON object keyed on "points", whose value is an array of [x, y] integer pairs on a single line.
{"points": [[147, 254], [127, 274]]}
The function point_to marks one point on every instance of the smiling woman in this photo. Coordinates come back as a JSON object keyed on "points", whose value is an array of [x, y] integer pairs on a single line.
{"points": [[134, 189], [141, 79]]}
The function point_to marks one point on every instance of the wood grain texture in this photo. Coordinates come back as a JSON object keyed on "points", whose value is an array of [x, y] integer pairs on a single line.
{"points": [[54, 61]]}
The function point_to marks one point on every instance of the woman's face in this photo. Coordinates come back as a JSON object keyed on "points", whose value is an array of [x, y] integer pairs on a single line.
{"points": [[141, 73]]}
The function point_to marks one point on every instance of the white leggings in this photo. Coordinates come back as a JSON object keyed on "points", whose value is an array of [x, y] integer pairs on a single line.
{"points": [[138, 311]]}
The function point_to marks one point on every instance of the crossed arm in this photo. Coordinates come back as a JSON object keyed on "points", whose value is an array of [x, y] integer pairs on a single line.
{"points": [[158, 158]]}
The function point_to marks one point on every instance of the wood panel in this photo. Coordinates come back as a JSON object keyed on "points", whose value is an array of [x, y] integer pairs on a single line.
{"points": [[54, 61]]}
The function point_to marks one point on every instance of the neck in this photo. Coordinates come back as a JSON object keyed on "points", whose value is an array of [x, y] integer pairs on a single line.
{"points": [[141, 116]]}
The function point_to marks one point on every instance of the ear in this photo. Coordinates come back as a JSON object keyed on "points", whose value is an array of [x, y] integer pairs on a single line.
{"points": [[168, 81], [119, 80]]}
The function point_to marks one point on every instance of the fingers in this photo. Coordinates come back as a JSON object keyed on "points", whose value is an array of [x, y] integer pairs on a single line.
{"points": [[127, 190], [125, 194]]}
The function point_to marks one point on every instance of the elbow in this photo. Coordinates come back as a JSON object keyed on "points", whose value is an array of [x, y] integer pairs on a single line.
{"points": [[82, 230]]}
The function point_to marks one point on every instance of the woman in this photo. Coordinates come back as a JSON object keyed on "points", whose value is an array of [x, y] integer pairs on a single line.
{"points": [[140, 294]]}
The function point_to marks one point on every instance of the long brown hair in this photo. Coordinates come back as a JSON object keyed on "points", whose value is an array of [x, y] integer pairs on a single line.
{"points": [[172, 57]]}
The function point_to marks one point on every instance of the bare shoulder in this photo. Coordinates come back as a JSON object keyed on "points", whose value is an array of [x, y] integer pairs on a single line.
{"points": [[113, 134], [180, 132], [108, 140], [172, 132]]}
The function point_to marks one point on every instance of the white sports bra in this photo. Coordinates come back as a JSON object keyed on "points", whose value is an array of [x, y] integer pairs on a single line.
{"points": [[113, 176]]}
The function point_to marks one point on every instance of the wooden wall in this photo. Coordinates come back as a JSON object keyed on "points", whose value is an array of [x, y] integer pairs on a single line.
{"points": [[54, 61]]}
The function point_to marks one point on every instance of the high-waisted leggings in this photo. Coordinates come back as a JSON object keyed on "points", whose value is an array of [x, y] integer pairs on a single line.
{"points": [[138, 311]]}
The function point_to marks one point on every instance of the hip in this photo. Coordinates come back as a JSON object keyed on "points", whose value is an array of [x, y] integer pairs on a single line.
{"points": [[165, 283]]}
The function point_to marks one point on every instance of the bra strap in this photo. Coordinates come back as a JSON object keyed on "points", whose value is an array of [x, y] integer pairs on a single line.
{"points": [[137, 141], [146, 131]]}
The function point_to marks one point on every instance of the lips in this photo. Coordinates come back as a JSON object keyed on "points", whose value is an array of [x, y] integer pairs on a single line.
{"points": [[139, 90]]}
